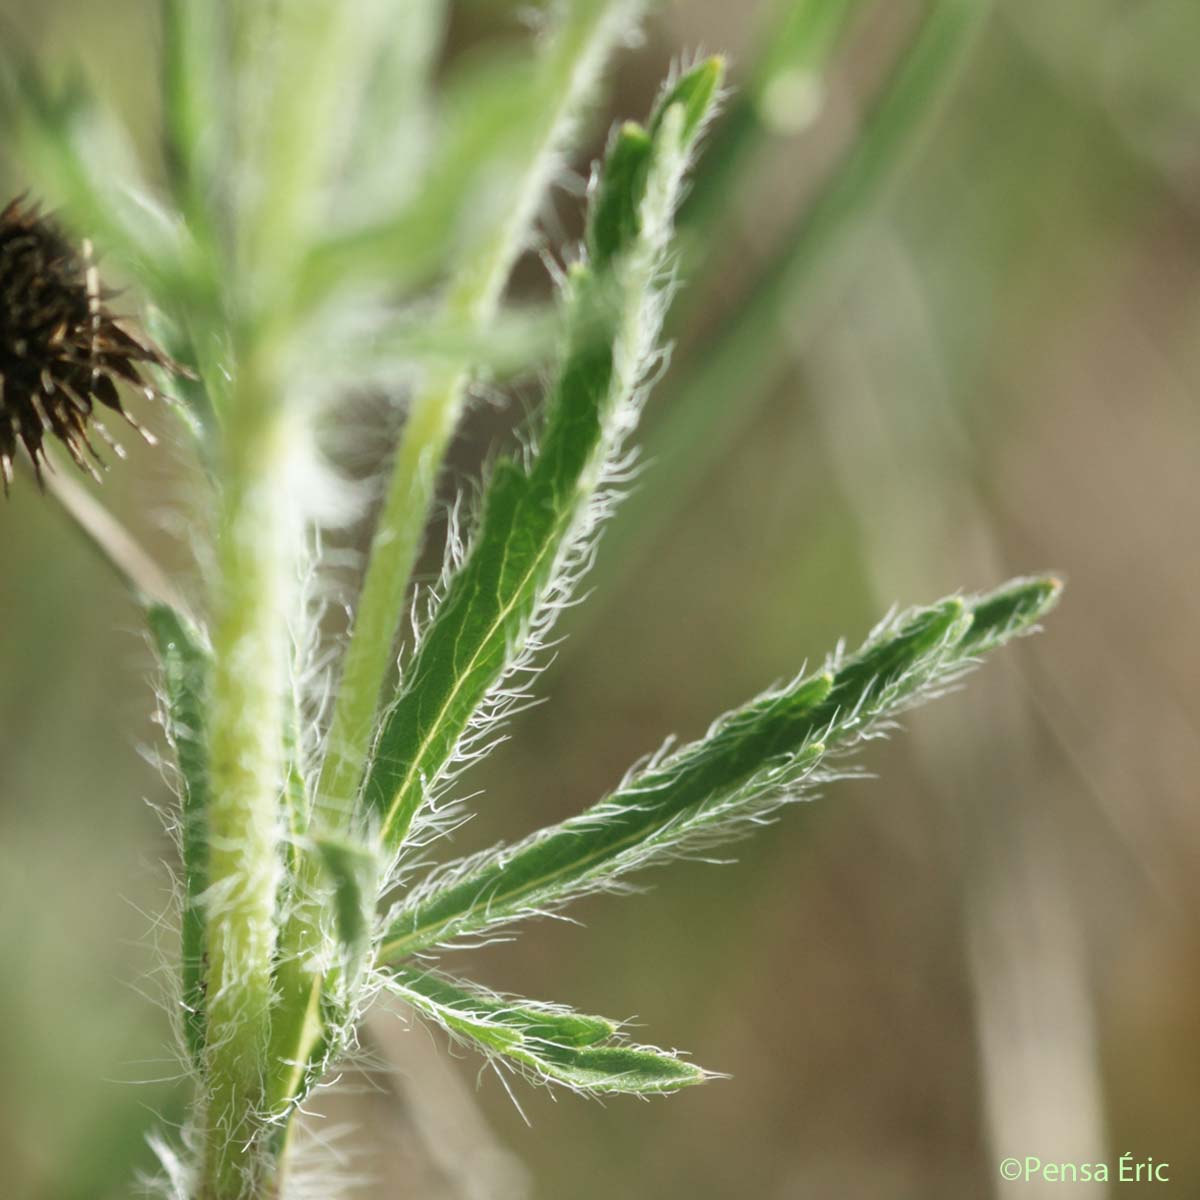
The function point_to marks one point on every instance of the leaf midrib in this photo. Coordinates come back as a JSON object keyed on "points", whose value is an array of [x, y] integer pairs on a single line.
{"points": [[412, 774]]}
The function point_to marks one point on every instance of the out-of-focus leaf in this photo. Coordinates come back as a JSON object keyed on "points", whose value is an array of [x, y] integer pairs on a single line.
{"points": [[185, 662]]}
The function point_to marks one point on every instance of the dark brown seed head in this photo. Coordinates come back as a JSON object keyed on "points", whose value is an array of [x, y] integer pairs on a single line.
{"points": [[62, 352]]}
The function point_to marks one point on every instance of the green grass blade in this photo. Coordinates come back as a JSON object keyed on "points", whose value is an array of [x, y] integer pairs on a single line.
{"points": [[538, 521], [546, 1043], [185, 659], [751, 761]]}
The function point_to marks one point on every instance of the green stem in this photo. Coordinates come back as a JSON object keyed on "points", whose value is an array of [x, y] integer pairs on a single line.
{"points": [[256, 573], [315, 51]]}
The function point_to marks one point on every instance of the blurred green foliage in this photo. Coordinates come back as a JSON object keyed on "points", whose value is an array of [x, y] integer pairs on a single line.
{"points": [[1002, 372]]}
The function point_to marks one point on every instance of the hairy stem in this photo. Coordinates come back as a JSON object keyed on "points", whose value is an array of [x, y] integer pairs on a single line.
{"points": [[246, 737]]}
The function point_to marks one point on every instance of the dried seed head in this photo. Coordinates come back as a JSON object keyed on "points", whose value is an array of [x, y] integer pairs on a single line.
{"points": [[62, 351]]}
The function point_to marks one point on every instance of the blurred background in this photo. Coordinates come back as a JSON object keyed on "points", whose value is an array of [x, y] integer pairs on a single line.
{"points": [[966, 351]]}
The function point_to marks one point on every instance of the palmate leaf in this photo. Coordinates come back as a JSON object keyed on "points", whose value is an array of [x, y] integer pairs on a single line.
{"points": [[538, 519], [752, 761], [545, 1042]]}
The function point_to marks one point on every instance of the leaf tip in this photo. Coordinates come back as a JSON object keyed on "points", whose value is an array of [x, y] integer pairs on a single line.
{"points": [[1012, 610], [696, 91]]}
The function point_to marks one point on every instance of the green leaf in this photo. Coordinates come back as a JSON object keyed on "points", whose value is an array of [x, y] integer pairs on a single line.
{"points": [[617, 1070], [546, 1042], [353, 870], [487, 113], [532, 1020], [615, 214], [1010, 611], [565, 76], [696, 92], [537, 521], [195, 105], [490, 603], [752, 760], [83, 163], [185, 661]]}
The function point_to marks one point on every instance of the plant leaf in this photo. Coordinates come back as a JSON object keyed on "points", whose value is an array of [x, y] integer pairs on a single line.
{"points": [[617, 1070], [545, 1042], [354, 871], [538, 520], [752, 760], [565, 74], [84, 162], [185, 660], [533, 1020], [195, 104]]}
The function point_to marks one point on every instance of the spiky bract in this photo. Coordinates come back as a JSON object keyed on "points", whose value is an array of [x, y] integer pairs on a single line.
{"points": [[62, 352]]}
